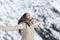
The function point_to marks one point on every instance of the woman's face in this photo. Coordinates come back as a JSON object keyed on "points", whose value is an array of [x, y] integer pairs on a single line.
{"points": [[28, 16]]}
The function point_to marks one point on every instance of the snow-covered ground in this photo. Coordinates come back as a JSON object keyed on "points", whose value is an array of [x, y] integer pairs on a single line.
{"points": [[46, 11]]}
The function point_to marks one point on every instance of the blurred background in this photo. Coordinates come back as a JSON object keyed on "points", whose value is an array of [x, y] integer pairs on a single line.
{"points": [[46, 11]]}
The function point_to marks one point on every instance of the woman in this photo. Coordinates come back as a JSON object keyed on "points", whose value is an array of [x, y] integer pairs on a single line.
{"points": [[25, 26]]}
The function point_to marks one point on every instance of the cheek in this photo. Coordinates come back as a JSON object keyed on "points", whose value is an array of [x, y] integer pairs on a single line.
{"points": [[28, 16]]}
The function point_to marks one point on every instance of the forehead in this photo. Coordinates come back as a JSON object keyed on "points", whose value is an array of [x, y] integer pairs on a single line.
{"points": [[28, 14]]}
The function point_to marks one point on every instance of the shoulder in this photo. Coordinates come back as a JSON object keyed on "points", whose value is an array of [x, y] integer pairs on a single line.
{"points": [[22, 25]]}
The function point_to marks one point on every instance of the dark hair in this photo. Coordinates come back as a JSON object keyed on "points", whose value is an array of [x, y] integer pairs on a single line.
{"points": [[21, 20]]}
